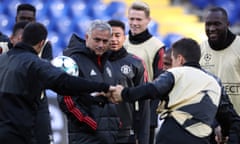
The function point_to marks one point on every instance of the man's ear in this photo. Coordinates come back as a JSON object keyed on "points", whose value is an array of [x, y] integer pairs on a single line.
{"points": [[39, 46], [182, 59], [42, 42], [86, 36]]}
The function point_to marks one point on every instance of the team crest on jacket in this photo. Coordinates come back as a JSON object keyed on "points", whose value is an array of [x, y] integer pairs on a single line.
{"points": [[125, 69], [109, 72]]}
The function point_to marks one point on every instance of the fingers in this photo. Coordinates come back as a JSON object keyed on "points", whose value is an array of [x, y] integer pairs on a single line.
{"points": [[112, 88], [220, 139], [114, 93]]}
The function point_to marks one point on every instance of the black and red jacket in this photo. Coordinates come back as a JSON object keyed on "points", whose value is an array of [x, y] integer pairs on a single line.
{"points": [[90, 119]]}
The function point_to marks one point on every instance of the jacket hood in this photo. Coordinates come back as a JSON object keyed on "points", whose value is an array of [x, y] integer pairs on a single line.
{"points": [[75, 45]]}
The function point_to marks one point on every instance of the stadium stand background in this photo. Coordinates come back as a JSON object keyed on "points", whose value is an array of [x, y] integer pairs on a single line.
{"points": [[171, 20]]}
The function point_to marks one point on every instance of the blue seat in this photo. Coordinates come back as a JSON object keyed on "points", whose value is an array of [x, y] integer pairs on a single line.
{"points": [[232, 9], [98, 11], [92, 3], [6, 22], [56, 42], [48, 22], [12, 8], [78, 8], [201, 4], [66, 39], [57, 9], [81, 25], [63, 24], [153, 27], [41, 8], [116, 9], [170, 38]]}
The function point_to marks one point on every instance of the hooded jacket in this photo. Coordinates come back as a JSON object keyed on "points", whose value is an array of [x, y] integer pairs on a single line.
{"points": [[99, 123]]}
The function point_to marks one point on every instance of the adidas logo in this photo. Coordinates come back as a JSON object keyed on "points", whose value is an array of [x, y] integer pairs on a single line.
{"points": [[93, 73]]}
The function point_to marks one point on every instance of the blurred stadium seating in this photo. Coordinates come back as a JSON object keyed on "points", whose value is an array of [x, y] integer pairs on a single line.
{"points": [[64, 17]]}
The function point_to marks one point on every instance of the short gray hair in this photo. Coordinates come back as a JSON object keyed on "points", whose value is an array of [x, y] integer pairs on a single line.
{"points": [[99, 25]]}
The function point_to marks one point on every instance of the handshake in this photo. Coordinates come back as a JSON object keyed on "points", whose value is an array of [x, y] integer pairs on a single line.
{"points": [[113, 94]]}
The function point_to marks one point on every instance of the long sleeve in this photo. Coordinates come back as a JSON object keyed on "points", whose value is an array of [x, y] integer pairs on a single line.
{"points": [[157, 89], [69, 105], [63, 83]]}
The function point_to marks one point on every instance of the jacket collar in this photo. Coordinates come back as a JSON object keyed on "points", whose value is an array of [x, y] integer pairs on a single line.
{"points": [[115, 55], [139, 38], [25, 46], [192, 64]]}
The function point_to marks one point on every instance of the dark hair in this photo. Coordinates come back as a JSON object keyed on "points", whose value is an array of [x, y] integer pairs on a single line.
{"points": [[33, 33], [188, 48], [116, 23], [219, 9], [26, 7], [18, 26]]}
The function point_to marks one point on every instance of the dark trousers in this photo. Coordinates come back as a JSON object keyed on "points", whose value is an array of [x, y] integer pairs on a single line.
{"points": [[43, 130], [173, 133]]}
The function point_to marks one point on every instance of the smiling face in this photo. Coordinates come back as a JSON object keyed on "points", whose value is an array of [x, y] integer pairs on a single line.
{"points": [[138, 21], [216, 26], [118, 38], [98, 41]]}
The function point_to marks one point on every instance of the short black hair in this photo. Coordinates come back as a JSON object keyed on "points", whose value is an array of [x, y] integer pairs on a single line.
{"points": [[219, 9], [117, 23], [19, 25], [34, 33], [188, 48], [26, 6]]}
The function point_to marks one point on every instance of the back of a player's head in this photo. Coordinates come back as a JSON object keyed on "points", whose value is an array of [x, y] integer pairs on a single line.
{"points": [[18, 26], [26, 6], [34, 33], [141, 6], [188, 48], [117, 23]]}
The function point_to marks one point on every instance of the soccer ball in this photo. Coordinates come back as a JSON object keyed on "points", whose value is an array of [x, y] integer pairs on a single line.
{"points": [[67, 64]]}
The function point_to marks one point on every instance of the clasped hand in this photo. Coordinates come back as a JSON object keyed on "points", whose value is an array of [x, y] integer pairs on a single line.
{"points": [[113, 94]]}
